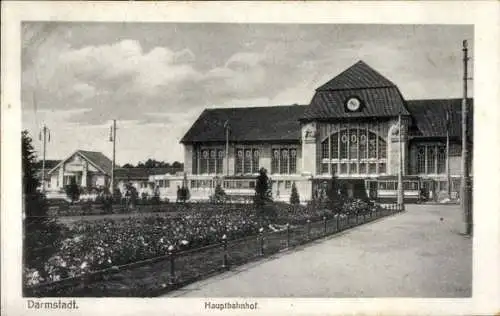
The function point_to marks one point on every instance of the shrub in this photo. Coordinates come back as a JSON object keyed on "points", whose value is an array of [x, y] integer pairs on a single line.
{"points": [[262, 188], [335, 197], [294, 197], [73, 191], [183, 194], [117, 196], [219, 195], [156, 196], [131, 195], [144, 197]]}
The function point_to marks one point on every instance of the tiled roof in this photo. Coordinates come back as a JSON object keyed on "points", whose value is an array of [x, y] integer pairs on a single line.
{"points": [[378, 95], [49, 164], [376, 102], [429, 117], [98, 159], [140, 173], [358, 76], [271, 123]]}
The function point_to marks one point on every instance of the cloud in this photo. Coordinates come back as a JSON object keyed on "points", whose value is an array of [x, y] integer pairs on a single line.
{"points": [[155, 79]]}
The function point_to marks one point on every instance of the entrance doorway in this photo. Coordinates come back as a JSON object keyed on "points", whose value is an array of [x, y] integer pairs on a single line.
{"points": [[428, 190]]}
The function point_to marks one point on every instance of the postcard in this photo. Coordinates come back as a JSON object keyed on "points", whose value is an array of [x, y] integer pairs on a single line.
{"points": [[250, 158]]}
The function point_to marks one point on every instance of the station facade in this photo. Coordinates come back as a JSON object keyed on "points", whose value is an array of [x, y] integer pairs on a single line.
{"points": [[350, 130]]}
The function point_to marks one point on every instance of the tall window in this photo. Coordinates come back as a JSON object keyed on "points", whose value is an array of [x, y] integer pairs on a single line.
{"points": [[208, 161], [238, 162], [421, 160], [441, 159], [195, 162], [211, 161], [204, 161], [431, 159], [293, 161], [255, 160], [247, 160], [275, 161], [284, 160], [220, 161], [354, 151]]}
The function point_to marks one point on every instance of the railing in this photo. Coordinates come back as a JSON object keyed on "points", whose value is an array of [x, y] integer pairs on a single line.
{"points": [[179, 268]]}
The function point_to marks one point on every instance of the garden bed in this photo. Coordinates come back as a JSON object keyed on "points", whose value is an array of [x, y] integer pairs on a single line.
{"points": [[105, 245]]}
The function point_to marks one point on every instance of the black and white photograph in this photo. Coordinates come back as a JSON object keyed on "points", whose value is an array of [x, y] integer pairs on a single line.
{"points": [[238, 161]]}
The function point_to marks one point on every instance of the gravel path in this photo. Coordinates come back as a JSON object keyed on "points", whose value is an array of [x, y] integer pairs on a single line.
{"points": [[419, 253]]}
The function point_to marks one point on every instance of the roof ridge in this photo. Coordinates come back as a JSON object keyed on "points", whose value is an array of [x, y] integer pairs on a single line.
{"points": [[439, 99], [255, 107], [89, 151], [356, 69]]}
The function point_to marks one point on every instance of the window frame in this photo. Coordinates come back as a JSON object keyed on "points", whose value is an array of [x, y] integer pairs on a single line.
{"points": [[358, 144]]}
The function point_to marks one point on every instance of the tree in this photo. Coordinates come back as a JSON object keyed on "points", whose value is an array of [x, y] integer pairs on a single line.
{"points": [[127, 165], [73, 191], [156, 195], [263, 196], [262, 188], [294, 197], [42, 235], [177, 166], [219, 194], [131, 195], [183, 192], [335, 199]]}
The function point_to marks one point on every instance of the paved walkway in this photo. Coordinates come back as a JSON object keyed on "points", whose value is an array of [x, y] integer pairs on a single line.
{"points": [[420, 253]]}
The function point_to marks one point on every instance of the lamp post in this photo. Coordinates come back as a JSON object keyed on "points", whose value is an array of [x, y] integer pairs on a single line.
{"points": [[400, 200], [112, 138], [226, 130], [45, 137]]}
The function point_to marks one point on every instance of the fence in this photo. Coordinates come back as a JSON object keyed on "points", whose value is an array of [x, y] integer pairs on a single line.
{"points": [[179, 268]]}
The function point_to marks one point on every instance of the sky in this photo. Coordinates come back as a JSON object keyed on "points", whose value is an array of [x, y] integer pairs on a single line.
{"points": [[155, 79]]}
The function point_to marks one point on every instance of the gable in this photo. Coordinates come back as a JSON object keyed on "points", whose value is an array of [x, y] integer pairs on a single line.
{"points": [[96, 161], [377, 102], [358, 76]]}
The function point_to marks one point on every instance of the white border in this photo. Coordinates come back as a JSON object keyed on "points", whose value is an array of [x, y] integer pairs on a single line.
{"points": [[485, 16]]}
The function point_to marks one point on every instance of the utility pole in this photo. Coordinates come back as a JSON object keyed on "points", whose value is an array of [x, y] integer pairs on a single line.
{"points": [[400, 172], [226, 128], [45, 137], [448, 174], [112, 138], [465, 183]]}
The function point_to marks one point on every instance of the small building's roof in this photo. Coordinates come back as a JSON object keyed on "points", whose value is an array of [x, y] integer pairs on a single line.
{"points": [[378, 95], [269, 123], [429, 117], [98, 159], [95, 158], [140, 173], [49, 164]]}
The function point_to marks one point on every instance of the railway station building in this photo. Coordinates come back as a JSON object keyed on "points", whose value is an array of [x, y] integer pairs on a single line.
{"points": [[350, 130]]}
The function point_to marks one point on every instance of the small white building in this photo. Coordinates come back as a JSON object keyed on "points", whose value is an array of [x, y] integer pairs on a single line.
{"points": [[89, 169]]}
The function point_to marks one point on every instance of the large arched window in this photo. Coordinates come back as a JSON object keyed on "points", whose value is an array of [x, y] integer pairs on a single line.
{"points": [[354, 151]]}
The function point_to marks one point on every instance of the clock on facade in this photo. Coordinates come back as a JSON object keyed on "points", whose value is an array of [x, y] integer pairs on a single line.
{"points": [[353, 104]]}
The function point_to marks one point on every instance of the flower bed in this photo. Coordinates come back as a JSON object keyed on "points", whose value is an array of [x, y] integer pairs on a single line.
{"points": [[91, 246]]}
